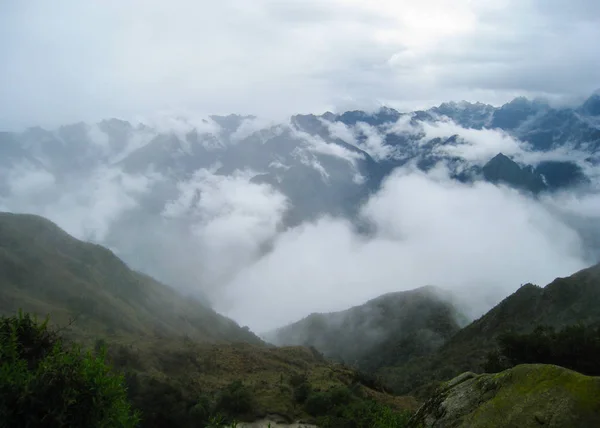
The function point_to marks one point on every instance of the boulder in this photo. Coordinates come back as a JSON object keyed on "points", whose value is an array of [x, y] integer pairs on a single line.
{"points": [[529, 395]]}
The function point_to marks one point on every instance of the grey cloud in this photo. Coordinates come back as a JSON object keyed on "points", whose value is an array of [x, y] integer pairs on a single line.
{"points": [[67, 61], [84, 207], [225, 236], [429, 230]]}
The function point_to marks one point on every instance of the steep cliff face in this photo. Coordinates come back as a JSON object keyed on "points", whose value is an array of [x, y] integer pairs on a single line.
{"points": [[525, 396]]}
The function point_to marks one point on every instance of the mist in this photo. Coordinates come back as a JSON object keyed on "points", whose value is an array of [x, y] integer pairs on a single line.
{"points": [[226, 238], [479, 241]]}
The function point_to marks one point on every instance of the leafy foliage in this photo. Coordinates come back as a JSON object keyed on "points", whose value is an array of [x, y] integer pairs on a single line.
{"points": [[301, 387], [236, 399], [45, 383], [576, 347], [343, 408]]}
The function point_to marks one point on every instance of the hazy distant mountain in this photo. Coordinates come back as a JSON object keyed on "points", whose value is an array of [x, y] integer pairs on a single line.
{"points": [[342, 158], [501, 169], [137, 178], [535, 122], [388, 330]]}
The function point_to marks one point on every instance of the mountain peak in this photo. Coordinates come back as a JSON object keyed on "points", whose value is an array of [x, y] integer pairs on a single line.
{"points": [[502, 169], [502, 158], [329, 116]]}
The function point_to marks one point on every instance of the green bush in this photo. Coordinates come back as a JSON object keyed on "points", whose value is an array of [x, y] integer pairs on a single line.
{"points": [[202, 410], [343, 407], [236, 399], [301, 387], [161, 402], [318, 403], [302, 392], [321, 403], [363, 414], [45, 383]]}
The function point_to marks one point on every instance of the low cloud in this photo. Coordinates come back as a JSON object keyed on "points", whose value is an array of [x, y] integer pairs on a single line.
{"points": [[317, 145], [86, 207], [480, 241], [362, 135], [475, 145], [251, 125], [222, 236], [341, 130], [228, 212], [373, 142], [213, 226], [25, 179]]}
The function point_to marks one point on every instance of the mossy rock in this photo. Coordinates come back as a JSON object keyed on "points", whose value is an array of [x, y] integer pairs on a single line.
{"points": [[529, 395]]}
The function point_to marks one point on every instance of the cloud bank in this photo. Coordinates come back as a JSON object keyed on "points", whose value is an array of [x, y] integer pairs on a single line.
{"points": [[72, 60], [223, 237], [480, 241]]}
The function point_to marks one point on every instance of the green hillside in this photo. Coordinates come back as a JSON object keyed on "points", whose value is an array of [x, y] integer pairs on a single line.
{"points": [[43, 270], [183, 362], [565, 301], [526, 396]]}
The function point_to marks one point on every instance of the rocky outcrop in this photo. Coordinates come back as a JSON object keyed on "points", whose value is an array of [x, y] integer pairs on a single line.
{"points": [[525, 396]]}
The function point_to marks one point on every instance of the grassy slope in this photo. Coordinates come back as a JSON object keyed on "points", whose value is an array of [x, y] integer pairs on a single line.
{"points": [[173, 349], [44, 270], [204, 369]]}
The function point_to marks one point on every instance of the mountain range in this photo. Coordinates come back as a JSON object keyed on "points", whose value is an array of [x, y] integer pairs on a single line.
{"points": [[142, 188], [129, 223]]}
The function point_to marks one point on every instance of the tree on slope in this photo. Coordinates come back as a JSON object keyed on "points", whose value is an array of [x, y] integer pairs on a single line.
{"points": [[44, 382]]}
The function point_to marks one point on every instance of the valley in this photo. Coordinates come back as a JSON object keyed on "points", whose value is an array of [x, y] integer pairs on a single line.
{"points": [[300, 214], [157, 240], [184, 356]]}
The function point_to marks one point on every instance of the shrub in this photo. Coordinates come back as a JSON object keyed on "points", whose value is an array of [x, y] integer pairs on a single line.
{"points": [[301, 392], [301, 387], [236, 399], [318, 403], [45, 383], [364, 414], [321, 403], [342, 408], [202, 410]]}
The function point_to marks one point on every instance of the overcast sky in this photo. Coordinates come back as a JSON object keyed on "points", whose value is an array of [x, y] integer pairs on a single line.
{"points": [[68, 60]]}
